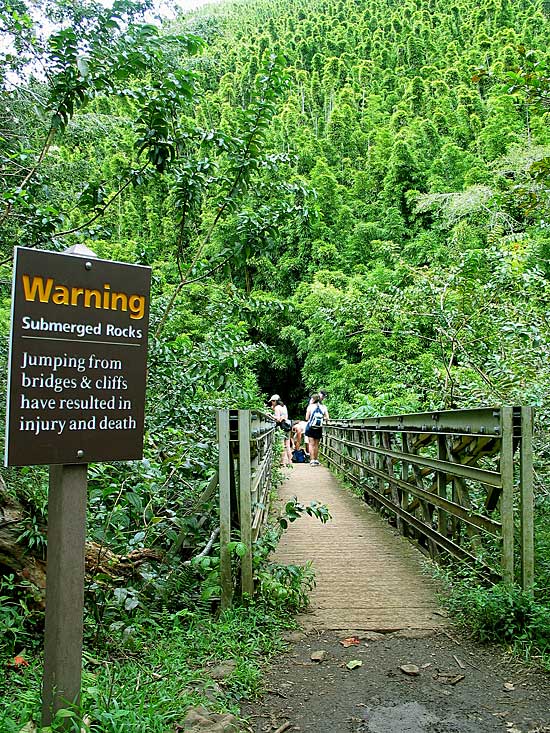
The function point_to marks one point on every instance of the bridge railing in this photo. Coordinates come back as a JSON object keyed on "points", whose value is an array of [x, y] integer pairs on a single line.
{"points": [[246, 441], [453, 480]]}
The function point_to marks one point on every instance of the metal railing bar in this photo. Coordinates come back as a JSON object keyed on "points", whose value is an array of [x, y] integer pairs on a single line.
{"points": [[474, 421], [446, 543], [527, 499], [480, 521], [492, 478], [245, 497], [260, 511], [226, 580], [261, 471]]}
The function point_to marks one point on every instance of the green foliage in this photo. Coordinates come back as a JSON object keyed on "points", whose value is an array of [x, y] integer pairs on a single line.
{"points": [[92, 53], [18, 618], [504, 614], [294, 509], [286, 586], [151, 690]]}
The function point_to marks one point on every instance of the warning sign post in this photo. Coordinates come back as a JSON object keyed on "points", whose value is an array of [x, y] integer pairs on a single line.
{"points": [[76, 394]]}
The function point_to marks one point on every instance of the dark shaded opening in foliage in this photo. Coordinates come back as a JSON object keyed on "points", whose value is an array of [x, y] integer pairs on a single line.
{"points": [[287, 383]]}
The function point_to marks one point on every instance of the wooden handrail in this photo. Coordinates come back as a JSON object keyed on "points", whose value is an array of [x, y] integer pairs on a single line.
{"points": [[245, 439]]}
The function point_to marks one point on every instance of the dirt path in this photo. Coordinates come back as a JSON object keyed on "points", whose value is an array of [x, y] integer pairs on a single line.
{"points": [[369, 579], [459, 688]]}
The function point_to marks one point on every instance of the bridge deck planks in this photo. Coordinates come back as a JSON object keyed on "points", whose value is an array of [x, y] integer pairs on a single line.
{"points": [[368, 577]]}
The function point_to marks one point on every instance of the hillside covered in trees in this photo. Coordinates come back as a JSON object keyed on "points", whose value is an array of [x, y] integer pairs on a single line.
{"points": [[331, 194], [385, 237]]}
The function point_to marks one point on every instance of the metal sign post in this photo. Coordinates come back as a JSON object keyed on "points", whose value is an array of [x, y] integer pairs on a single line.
{"points": [[76, 395]]}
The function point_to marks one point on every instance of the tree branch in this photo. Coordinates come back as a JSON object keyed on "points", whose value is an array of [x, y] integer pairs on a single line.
{"points": [[207, 547], [103, 208], [49, 139]]}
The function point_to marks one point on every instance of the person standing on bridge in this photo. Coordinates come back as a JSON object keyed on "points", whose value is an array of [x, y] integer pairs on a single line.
{"points": [[281, 416], [316, 416]]}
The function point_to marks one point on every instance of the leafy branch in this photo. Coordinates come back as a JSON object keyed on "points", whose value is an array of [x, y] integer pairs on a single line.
{"points": [[244, 159]]}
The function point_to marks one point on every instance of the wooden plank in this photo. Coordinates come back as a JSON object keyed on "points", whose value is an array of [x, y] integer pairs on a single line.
{"points": [[245, 499], [67, 498], [367, 576], [226, 580], [426, 530]]}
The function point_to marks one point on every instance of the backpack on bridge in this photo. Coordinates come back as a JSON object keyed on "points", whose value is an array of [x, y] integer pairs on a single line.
{"points": [[299, 456]]}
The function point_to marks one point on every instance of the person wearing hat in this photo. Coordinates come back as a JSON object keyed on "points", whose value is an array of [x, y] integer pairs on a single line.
{"points": [[280, 413]]}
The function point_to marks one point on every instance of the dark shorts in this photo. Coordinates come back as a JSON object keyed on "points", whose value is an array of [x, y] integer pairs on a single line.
{"points": [[316, 433]]}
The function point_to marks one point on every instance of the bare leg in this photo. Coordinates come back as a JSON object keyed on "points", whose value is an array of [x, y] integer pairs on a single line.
{"points": [[287, 454], [313, 448], [288, 450]]}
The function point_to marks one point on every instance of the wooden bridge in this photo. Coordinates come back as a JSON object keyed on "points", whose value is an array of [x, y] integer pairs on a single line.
{"points": [[441, 484], [367, 576]]}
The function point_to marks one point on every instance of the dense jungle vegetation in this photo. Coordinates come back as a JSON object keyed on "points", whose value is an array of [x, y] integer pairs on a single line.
{"points": [[330, 193]]}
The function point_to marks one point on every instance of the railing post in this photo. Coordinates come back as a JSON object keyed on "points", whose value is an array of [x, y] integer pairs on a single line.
{"points": [[403, 495], [442, 485], [507, 497], [245, 471], [526, 489], [226, 580]]}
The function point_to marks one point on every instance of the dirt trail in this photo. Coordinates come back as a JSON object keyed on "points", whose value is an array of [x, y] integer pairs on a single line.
{"points": [[459, 688], [369, 580]]}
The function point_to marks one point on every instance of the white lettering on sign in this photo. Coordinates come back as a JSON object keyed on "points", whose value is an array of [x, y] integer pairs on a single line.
{"points": [[53, 379]]}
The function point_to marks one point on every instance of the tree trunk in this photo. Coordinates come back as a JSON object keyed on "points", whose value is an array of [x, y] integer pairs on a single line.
{"points": [[18, 559]]}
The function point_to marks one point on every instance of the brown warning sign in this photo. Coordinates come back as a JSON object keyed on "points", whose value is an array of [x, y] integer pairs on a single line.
{"points": [[78, 356]]}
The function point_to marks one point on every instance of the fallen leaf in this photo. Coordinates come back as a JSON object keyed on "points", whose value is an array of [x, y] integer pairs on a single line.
{"points": [[354, 663], [20, 662], [410, 669], [350, 641], [318, 656], [30, 727], [448, 679]]}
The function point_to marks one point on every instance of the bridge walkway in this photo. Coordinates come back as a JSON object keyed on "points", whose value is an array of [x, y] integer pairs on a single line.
{"points": [[368, 576]]}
